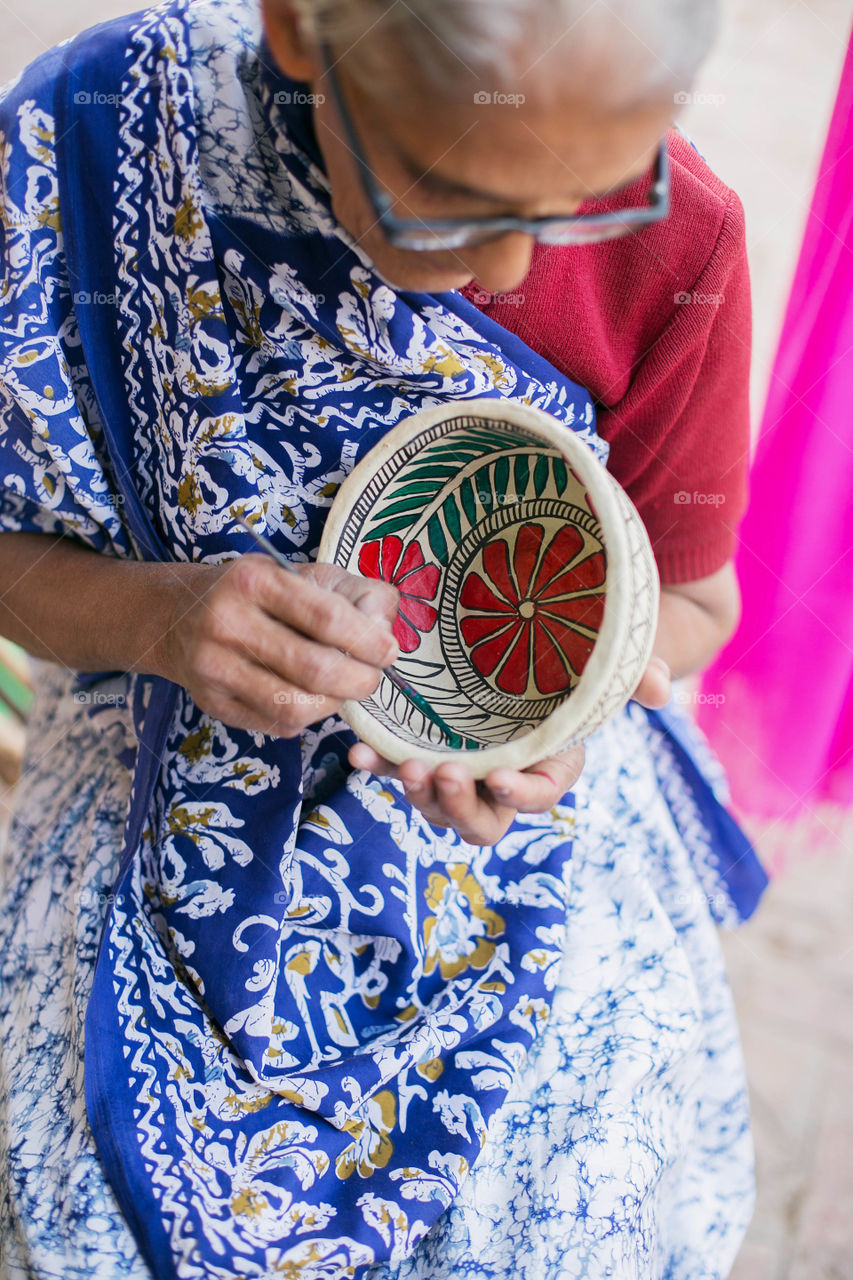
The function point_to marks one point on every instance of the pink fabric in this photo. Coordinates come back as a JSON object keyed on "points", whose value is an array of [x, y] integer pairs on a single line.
{"points": [[784, 725]]}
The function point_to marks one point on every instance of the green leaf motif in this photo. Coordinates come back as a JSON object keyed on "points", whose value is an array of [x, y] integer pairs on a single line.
{"points": [[438, 466], [396, 525], [485, 489], [450, 511], [460, 455], [430, 471], [437, 540], [522, 473], [540, 475], [502, 476], [413, 504], [468, 499], [416, 486]]}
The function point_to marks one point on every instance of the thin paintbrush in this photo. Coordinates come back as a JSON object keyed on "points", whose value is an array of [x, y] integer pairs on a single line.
{"points": [[454, 740]]}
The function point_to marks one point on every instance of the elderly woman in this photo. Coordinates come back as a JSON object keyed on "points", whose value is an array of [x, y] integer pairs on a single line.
{"points": [[343, 1019]]}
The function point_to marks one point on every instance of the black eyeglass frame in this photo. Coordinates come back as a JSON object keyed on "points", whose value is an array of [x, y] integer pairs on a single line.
{"points": [[421, 234]]}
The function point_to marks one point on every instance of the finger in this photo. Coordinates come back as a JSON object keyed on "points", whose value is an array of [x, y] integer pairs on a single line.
{"points": [[541, 786], [233, 713], [371, 596], [419, 781], [477, 818], [422, 790], [415, 775], [655, 687], [276, 706], [327, 617], [361, 756], [447, 797], [289, 656]]}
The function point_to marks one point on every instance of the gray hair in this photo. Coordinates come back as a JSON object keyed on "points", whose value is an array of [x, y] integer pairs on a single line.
{"points": [[495, 43]]}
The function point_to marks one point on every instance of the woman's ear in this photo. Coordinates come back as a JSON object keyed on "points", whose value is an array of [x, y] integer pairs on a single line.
{"points": [[287, 42]]}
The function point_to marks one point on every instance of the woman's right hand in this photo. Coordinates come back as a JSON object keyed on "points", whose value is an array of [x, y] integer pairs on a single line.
{"points": [[269, 651]]}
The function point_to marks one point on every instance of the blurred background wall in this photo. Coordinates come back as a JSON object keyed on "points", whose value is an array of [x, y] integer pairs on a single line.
{"points": [[759, 115]]}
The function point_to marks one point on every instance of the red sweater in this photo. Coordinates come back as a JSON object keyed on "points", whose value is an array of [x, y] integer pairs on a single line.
{"points": [[657, 326]]}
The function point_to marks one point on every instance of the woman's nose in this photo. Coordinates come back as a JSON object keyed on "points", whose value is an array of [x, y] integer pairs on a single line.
{"points": [[501, 264]]}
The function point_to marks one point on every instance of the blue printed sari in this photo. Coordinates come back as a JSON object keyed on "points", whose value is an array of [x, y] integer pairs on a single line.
{"points": [[310, 1017]]}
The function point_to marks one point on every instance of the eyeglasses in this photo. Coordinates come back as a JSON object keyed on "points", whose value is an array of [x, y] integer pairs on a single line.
{"points": [[453, 233]]}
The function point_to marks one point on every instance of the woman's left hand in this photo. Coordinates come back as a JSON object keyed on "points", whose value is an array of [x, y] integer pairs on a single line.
{"points": [[482, 812]]}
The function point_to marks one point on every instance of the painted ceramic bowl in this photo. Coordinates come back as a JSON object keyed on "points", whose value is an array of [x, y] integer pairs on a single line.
{"points": [[528, 589]]}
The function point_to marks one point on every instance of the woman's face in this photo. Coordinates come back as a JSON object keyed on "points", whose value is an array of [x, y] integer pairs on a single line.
{"points": [[443, 157]]}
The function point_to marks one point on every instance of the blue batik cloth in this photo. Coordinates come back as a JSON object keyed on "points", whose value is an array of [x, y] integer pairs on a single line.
{"points": [[309, 1016]]}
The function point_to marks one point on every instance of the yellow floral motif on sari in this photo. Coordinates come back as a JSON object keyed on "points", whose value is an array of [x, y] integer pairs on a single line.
{"points": [[460, 934], [372, 1148]]}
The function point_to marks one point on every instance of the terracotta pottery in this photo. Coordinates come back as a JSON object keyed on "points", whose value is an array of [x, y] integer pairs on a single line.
{"points": [[528, 588]]}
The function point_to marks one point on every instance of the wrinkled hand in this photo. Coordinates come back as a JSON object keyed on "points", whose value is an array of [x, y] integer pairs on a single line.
{"points": [[270, 651], [482, 812], [273, 652]]}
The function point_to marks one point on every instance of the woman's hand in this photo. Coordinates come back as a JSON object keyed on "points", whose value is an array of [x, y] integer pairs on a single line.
{"points": [[272, 652], [695, 619], [482, 812]]}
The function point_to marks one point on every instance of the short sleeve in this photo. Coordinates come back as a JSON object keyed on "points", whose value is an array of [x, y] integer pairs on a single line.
{"points": [[55, 475], [679, 437]]}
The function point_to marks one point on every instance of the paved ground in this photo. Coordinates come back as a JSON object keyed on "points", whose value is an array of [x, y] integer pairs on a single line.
{"points": [[760, 118], [791, 969]]}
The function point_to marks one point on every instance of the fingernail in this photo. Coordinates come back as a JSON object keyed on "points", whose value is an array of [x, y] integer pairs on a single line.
{"points": [[502, 792], [449, 786], [663, 666]]}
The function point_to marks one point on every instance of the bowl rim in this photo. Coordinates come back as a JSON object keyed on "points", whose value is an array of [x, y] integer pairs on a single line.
{"points": [[557, 729]]}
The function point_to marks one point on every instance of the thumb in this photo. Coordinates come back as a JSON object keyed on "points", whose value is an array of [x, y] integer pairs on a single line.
{"points": [[655, 687]]}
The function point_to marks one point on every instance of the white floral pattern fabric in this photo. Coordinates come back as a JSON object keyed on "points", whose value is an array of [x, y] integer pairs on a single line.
{"points": [[623, 1148]]}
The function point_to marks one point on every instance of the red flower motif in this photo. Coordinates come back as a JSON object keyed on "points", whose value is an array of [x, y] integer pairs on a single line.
{"points": [[538, 613], [416, 581]]}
